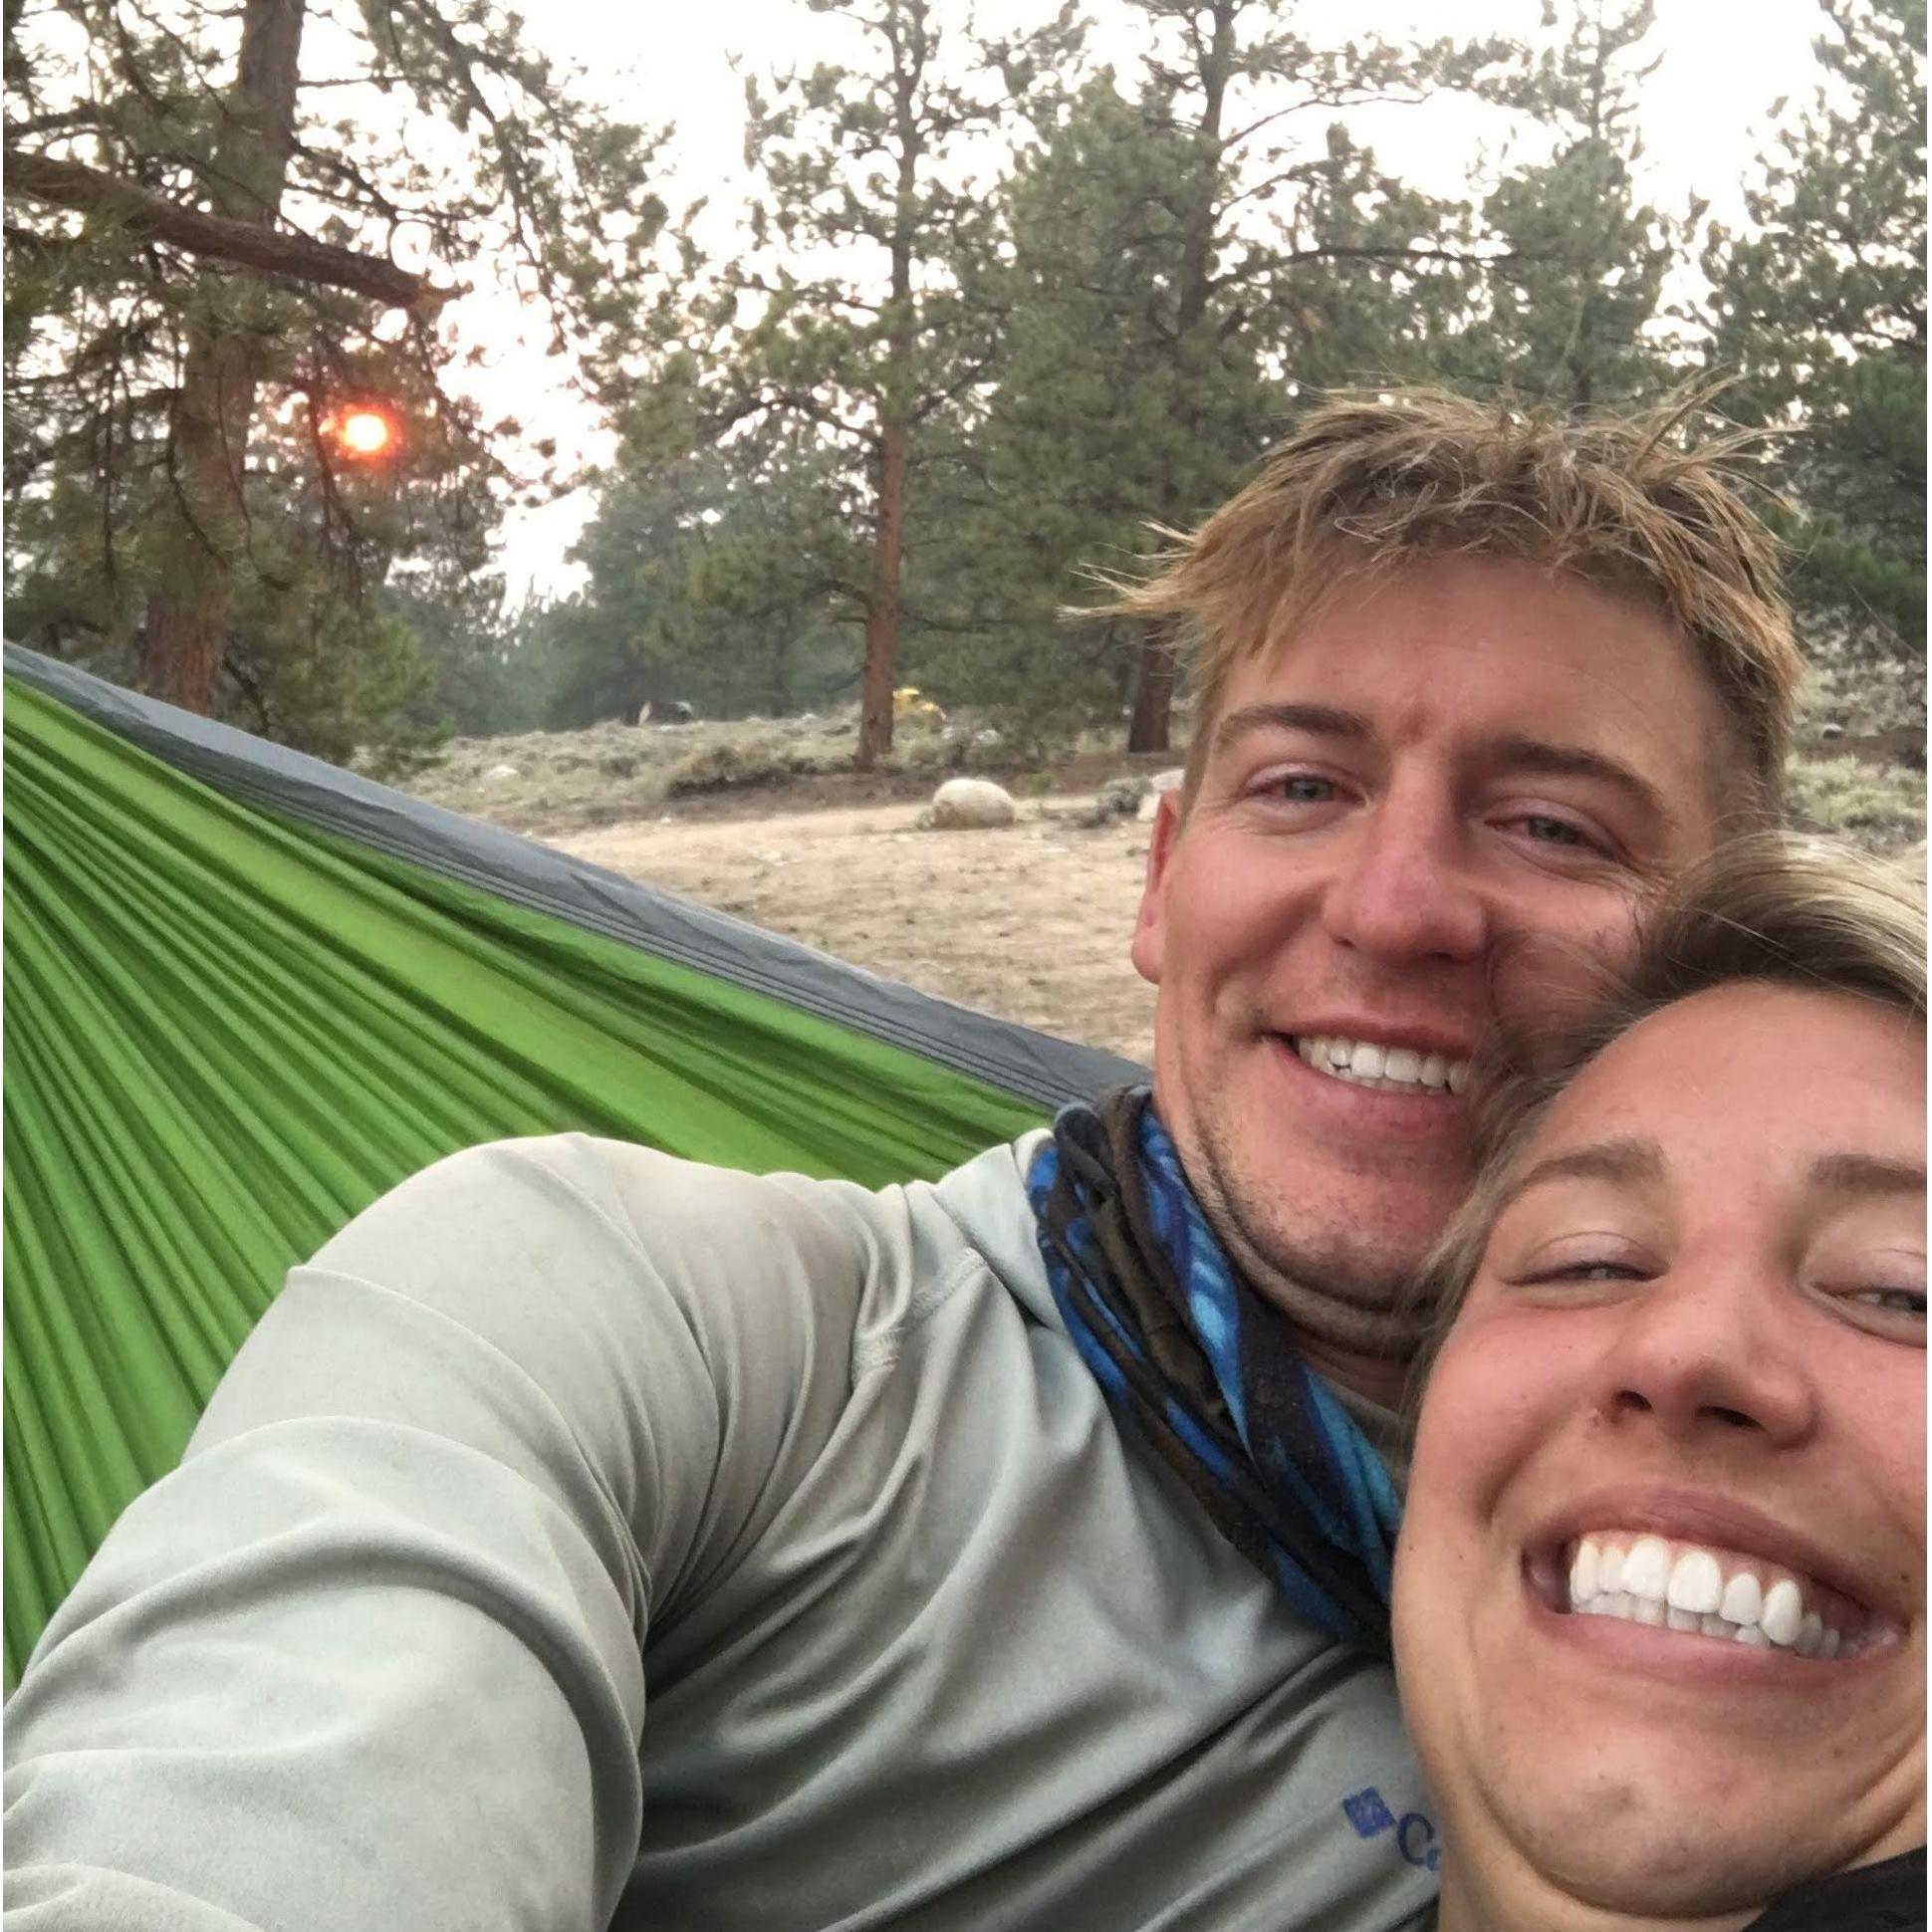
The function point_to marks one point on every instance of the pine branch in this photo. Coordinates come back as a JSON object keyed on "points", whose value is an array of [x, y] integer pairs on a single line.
{"points": [[71, 184], [62, 121]]}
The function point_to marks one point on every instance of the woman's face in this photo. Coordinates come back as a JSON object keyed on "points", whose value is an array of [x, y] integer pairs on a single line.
{"points": [[1660, 1593]]}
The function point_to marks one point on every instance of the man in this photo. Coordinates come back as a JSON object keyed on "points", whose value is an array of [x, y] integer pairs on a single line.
{"points": [[589, 1537]]}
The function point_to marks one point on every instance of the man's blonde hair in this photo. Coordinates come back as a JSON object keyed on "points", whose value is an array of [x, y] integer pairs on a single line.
{"points": [[1776, 908], [1368, 484]]}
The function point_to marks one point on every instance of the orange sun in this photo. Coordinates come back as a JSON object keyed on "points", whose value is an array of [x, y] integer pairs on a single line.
{"points": [[364, 432]]}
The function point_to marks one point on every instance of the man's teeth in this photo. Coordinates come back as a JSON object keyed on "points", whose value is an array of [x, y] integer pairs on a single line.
{"points": [[1708, 1592], [1396, 1070]]}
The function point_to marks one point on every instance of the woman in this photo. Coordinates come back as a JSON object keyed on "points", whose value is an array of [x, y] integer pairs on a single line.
{"points": [[1660, 1592]]}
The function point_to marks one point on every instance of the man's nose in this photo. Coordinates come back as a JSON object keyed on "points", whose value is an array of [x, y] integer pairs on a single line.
{"points": [[1404, 887], [1701, 1351]]}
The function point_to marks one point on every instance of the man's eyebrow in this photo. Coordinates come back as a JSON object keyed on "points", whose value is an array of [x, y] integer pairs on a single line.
{"points": [[1319, 720], [1626, 1162], [1869, 1176], [1515, 754], [1539, 756]]}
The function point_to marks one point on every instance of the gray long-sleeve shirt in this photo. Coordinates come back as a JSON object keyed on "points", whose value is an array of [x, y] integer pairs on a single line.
{"points": [[587, 1537]]}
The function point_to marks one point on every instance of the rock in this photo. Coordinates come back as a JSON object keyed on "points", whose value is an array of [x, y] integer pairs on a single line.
{"points": [[1829, 731], [498, 772], [1157, 786], [971, 805]]}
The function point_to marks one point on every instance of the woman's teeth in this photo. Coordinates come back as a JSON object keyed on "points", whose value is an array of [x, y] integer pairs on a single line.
{"points": [[1395, 1069], [1705, 1592]]}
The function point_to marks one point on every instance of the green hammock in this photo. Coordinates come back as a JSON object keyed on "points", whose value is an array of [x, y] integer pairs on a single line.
{"points": [[246, 994]]}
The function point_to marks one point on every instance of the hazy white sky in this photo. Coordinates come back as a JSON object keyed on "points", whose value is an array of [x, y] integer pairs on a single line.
{"points": [[1704, 115]]}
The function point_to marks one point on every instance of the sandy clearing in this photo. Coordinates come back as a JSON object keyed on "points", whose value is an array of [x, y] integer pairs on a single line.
{"points": [[1031, 922]]}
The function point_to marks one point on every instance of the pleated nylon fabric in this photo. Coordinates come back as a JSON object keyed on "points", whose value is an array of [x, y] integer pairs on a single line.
{"points": [[227, 1033]]}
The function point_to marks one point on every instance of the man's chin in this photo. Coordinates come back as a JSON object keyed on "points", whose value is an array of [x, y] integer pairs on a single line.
{"points": [[1350, 1242]]}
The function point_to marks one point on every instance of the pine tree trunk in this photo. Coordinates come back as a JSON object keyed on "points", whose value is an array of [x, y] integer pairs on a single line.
{"points": [[1153, 691], [1158, 664], [188, 615], [905, 30], [883, 602]]}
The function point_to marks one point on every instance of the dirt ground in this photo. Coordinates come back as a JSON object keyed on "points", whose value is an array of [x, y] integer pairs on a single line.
{"points": [[1030, 922]]}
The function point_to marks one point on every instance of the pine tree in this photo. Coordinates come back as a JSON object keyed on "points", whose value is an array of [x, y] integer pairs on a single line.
{"points": [[723, 579], [1187, 262], [1820, 315], [1292, 243], [861, 326], [1571, 312], [203, 213]]}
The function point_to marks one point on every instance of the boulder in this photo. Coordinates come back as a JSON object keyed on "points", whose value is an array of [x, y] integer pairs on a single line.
{"points": [[971, 805], [498, 772], [1160, 782]]}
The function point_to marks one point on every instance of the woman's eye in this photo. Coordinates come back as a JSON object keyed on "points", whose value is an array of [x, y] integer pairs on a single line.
{"points": [[1588, 1271], [1908, 1302], [1580, 1269]]}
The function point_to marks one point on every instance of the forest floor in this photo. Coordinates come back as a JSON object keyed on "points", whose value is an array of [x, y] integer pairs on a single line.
{"points": [[1030, 921], [766, 821]]}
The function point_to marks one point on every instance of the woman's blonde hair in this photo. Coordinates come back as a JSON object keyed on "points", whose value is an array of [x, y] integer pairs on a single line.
{"points": [[1367, 484], [1771, 907]]}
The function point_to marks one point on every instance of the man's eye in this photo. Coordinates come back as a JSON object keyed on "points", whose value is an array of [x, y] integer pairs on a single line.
{"points": [[1545, 831], [1303, 788]]}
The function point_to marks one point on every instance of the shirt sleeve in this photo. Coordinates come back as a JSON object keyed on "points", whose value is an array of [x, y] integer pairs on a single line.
{"points": [[372, 1654]]}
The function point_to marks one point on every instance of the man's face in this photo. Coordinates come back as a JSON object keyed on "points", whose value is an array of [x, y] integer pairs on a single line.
{"points": [[1660, 1593], [1469, 755]]}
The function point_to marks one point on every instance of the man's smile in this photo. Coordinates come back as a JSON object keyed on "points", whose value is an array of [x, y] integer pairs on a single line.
{"points": [[1381, 1065]]}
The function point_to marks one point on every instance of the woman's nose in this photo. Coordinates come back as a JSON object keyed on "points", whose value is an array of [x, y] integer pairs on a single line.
{"points": [[1703, 1349]]}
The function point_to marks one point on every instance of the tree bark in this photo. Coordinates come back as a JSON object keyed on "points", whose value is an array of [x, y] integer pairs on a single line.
{"points": [[187, 617], [1157, 665], [882, 601], [244, 244], [1157, 672], [906, 35]]}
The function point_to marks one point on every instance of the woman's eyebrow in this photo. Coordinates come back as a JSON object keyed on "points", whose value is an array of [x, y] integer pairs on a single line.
{"points": [[1629, 1160], [1867, 1176]]}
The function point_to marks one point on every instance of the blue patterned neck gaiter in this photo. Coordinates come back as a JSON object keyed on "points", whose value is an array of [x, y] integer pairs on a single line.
{"points": [[1207, 1372]]}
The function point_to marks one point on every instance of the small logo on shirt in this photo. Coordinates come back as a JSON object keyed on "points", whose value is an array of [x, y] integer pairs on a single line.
{"points": [[1369, 1817]]}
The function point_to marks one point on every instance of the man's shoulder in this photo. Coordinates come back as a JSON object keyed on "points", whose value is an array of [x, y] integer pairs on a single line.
{"points": [[639, 1189], [568, 1209]]}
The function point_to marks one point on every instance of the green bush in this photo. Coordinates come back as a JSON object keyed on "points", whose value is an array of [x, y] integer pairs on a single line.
{"points": [[1880, 807]]}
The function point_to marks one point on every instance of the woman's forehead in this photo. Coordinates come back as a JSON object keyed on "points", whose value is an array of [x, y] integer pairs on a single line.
{"points": [[1747, 1072]]}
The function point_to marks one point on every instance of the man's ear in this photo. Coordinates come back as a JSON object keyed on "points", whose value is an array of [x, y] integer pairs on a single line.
{"points": [[1151, 928]]}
